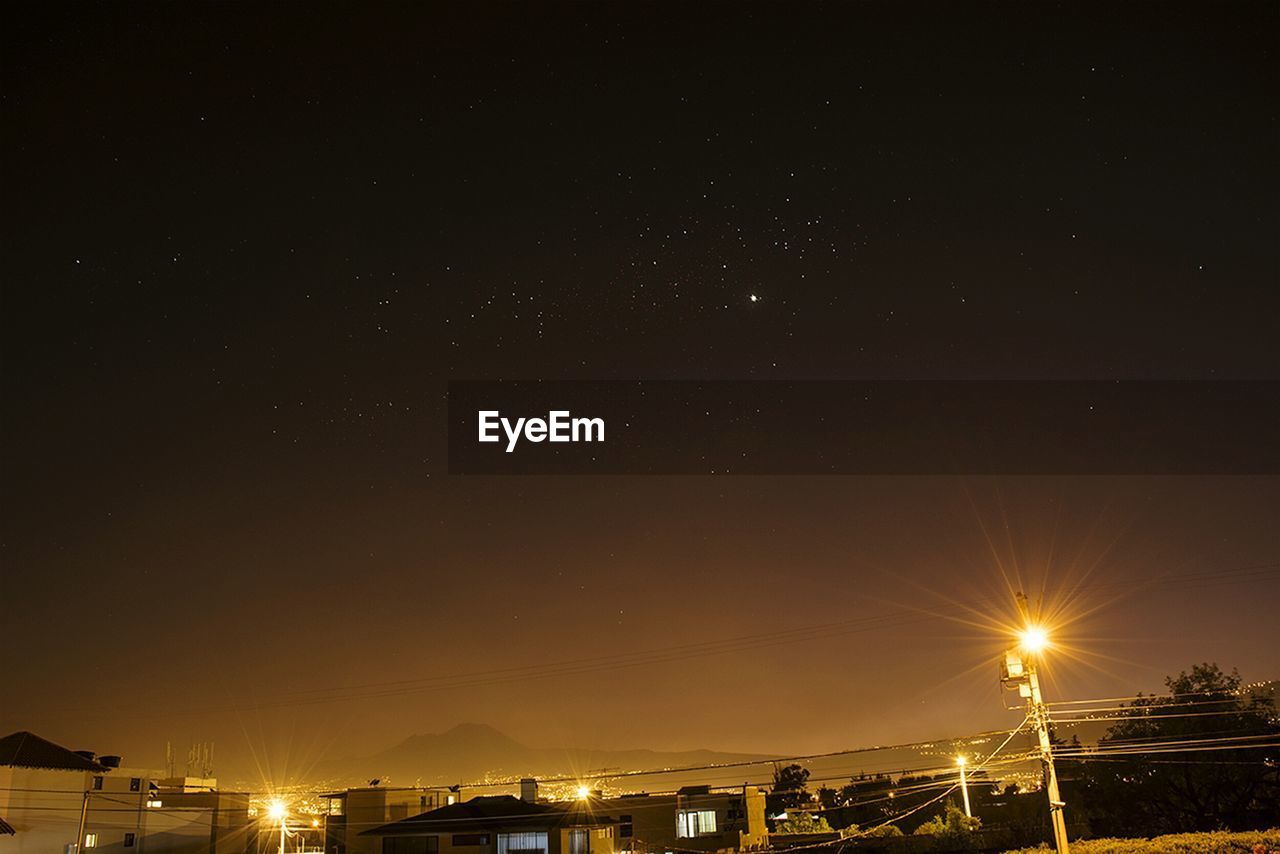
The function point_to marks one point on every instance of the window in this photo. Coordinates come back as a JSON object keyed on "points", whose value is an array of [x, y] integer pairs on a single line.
{"points": [[135, 784], [154, 804], [625, 826], [97, 784], [460, 839], [410, 845], [522, 843], [91, 840], [579, 842], [128, 840], [338, 806], [691, 823]]}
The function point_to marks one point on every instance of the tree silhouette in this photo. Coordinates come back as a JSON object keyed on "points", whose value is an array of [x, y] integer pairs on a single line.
{"points": [[790, 787], [1150, 788]]}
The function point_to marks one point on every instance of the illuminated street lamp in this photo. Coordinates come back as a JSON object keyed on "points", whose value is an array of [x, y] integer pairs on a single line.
{"points": [[1033, 640], [964, 784], [584, 792], [277, 812], [1019, 671]]}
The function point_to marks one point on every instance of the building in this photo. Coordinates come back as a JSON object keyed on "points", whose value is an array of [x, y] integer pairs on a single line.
{"points": [[186, 817], [354, 811], [46, 791], [695, 818], [499, 824], [42, 791]]}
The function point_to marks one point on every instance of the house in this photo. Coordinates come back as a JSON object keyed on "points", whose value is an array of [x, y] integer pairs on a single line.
{"points": [[353, 811], [47, 791], [42, 788], [696, 818], [499, 824]]}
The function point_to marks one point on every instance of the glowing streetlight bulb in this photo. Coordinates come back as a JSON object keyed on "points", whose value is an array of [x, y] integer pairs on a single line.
{"points": [[960, 760], [583, 793], [276, 810], [1034, 639]]}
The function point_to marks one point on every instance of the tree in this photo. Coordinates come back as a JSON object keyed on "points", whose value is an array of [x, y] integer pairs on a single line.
{"points": [[790, 788], [1144, 787], [829, 798]]}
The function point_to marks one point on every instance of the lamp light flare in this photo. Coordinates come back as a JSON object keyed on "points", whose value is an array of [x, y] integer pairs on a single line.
{"points": [[277, 810], [1034, 639], [584, 792]]}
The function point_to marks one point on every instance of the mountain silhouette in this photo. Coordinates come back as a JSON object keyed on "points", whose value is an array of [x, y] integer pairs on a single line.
{"points": [[471, 752]]}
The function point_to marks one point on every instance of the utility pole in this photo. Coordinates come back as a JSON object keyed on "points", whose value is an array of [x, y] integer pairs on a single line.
{"points": [[84, 817], [1019, 671], [1056, 804]]}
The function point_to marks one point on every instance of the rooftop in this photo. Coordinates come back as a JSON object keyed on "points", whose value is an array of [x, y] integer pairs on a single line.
{"points": [[491, 812], [27, 750]]}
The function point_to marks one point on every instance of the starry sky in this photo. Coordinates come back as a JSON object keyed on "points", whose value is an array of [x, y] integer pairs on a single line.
{"points": [[247, 248]]}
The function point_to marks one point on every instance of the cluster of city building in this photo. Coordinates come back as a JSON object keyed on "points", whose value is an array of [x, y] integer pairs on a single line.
{"points": [[54, 800]]}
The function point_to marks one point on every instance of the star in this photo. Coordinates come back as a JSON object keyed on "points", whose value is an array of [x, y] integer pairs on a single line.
{"points": [[755, 298]]}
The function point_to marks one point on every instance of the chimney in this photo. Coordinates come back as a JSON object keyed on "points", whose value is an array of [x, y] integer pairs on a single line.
{"points": [[529, 790]]}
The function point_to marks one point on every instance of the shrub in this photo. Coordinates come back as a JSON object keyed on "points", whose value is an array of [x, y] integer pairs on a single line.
{"points": [[1214, 842], [804, 822], [884, 831], [953, 824]]}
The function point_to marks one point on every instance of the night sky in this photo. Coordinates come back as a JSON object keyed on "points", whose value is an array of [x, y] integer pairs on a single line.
{"points": [[246, 248]]}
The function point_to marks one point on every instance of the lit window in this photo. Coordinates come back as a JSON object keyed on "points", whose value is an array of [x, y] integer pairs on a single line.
{"points": [[155, 804], [91, 840], [338, 806], [690, 823], [522, 843], [452, 799], [579, 842]]}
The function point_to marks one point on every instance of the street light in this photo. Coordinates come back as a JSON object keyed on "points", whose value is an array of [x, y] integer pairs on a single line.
{"points": [[277, 811], [1033, 639], [584, 792], [964, 784], [1019, 671]]}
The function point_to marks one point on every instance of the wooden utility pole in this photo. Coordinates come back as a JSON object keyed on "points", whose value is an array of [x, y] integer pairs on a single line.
{"points": [[1020, 672], [84, 818]]}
